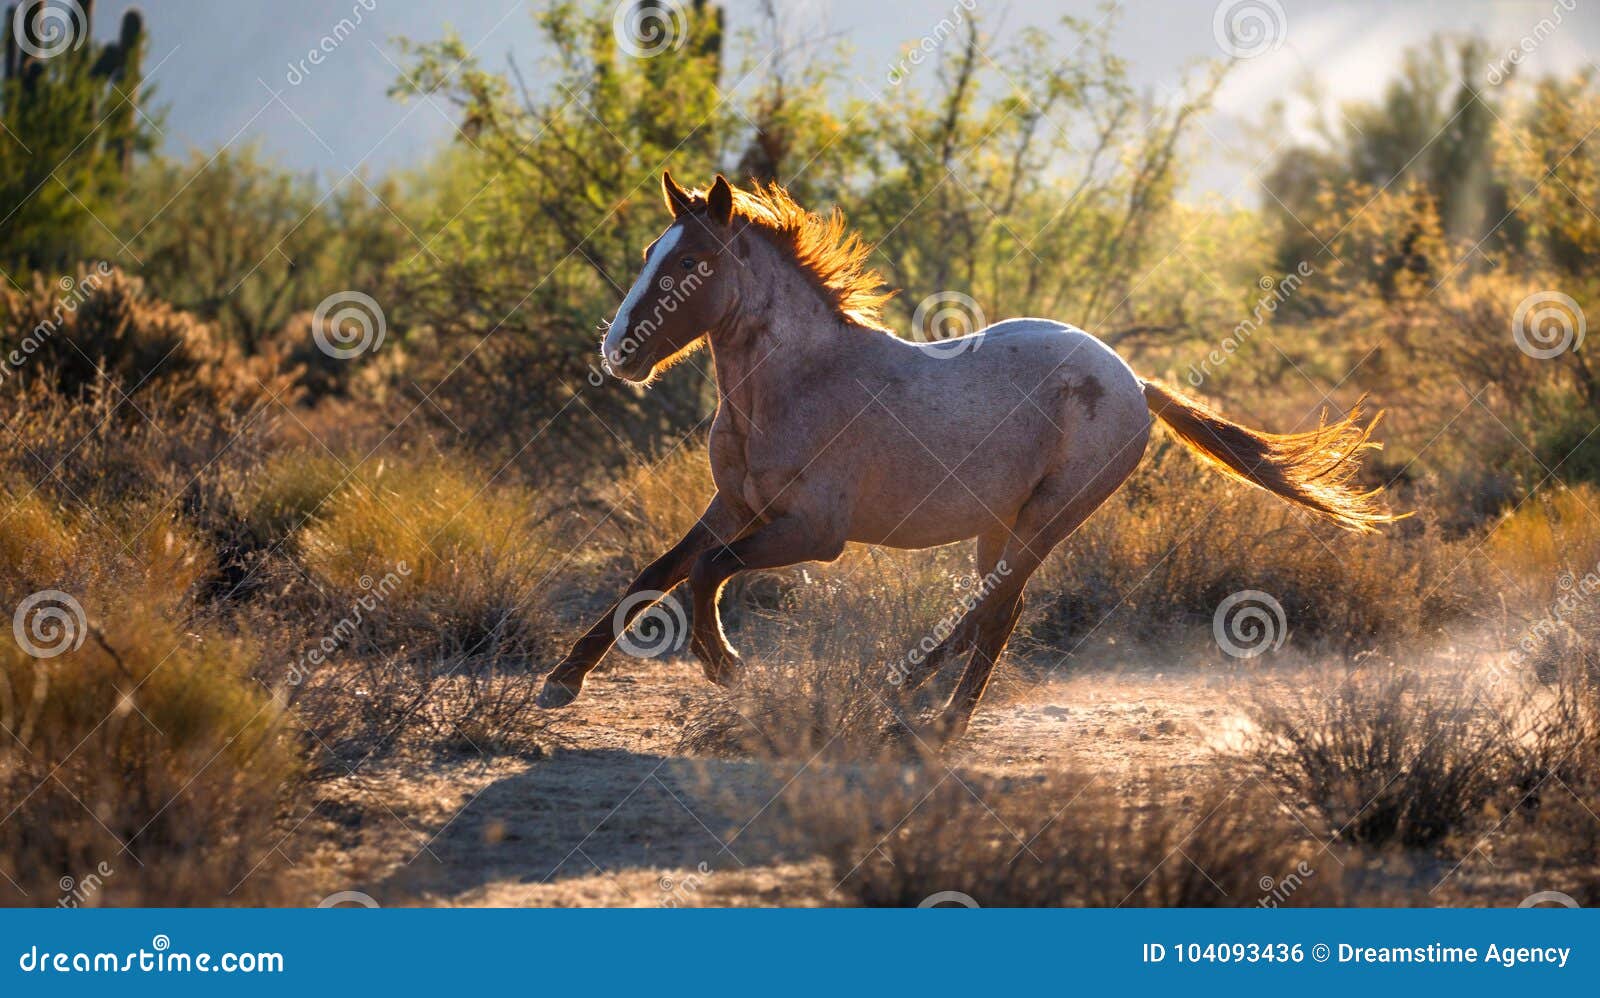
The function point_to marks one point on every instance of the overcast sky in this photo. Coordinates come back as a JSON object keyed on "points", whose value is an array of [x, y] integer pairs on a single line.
{"points": [[236, 70]]}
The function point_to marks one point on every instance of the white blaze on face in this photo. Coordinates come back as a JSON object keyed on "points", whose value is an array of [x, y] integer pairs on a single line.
{"points": [[612, 348]]}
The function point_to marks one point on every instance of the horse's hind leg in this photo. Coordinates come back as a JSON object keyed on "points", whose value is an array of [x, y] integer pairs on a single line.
{"points": [[716, 526], [991, 545], [1050, 515]]}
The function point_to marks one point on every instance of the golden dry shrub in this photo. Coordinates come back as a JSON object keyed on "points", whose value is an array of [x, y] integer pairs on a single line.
{"points": [[471, 558], [924, 836], [101, 333], [141, 746], [138, 740], [1177, 540]]}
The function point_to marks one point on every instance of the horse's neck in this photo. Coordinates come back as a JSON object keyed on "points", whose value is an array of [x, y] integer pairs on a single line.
{"points": [[783, 328]]}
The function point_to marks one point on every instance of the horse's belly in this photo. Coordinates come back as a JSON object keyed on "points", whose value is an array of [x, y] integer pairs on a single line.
{"points": [[922, 511]]}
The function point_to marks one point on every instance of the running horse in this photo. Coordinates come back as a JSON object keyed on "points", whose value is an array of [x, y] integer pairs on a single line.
{"points": [[830, 429]]}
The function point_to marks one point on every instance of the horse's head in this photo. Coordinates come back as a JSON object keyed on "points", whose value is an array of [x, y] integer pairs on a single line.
{"points": [[686, 289]]}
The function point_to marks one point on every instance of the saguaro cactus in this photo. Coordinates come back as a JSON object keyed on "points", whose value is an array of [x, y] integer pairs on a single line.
{"points": [[116, 63]]}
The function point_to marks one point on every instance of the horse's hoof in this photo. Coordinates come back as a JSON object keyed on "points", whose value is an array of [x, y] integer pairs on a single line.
{"points": [[728, 674], [556, 694]]}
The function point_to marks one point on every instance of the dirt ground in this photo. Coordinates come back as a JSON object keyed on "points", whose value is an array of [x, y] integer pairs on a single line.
{"points": [[614, 811]]}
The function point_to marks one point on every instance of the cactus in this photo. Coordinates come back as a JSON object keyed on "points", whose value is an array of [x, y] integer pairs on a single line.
{"points": [[116, 63]]}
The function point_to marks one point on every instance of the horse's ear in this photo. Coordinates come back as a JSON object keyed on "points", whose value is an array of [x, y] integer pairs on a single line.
{"points": [[678, 200], [720, 201]]}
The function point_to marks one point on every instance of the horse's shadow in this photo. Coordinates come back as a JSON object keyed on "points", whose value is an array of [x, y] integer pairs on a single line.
{"points": [[600, 811]]}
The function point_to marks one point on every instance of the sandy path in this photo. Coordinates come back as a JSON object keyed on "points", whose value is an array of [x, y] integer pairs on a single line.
{"points": [[615, 813]]}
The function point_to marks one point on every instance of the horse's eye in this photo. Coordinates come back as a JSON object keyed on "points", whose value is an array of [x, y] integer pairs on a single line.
{"points": [[687, 262]]}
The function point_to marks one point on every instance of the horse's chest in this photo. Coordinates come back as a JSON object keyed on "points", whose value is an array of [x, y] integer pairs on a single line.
{"points": [[746, 473]]}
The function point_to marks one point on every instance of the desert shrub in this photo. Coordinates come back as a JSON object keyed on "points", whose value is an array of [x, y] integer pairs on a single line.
{"points": [[431, 589], [1178, 539], [102, 333], [1384, 757], [653, 503], [1549, 548], [472, 558], [287, 490], [826, 658], [144, 734], [899, 837]]}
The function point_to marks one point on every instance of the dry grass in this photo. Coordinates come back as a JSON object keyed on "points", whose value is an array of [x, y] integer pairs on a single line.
{"points": [[146, 736], [898, 837], [1177, 540], [826, 648], [1383, 757]]}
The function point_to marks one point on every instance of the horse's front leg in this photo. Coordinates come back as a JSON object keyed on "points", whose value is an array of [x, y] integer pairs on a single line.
{"points": [[716, 526], [786, 540]]}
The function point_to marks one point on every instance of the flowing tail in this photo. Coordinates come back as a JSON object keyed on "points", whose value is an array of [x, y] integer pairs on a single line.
{"points": [[1316, 469]]}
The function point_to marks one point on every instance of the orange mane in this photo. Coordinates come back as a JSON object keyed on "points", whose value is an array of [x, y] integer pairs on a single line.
{"points": [[834, 257]]}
